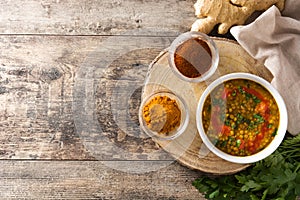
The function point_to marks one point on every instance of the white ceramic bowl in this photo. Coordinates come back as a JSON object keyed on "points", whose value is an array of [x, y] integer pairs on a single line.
{"points": [[283, 120], [183, 121]]}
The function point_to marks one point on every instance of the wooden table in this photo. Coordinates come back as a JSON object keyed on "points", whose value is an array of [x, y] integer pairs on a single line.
{"points": [[71, 74]]}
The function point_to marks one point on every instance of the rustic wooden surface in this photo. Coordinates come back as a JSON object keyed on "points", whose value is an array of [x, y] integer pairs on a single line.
{"points": [[47, 149], [188, 148], [87, 17], [92, 180]]}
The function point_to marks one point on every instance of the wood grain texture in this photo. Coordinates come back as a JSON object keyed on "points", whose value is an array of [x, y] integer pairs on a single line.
{"points": [[93, 180], [88, 17], [40, 84], [188, 148], [37, 75]]}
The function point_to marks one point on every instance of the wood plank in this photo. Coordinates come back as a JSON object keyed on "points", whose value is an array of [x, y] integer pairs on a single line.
{"points": [[56, 91], [87, 17], [37, 74], [93, 180]]}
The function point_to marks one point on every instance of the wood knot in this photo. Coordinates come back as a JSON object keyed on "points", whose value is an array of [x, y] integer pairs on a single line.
{"points": [[51, 74], [3, 90]]}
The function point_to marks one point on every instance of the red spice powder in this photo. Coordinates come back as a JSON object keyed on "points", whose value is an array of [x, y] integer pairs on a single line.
{"points": [[193, 58]]}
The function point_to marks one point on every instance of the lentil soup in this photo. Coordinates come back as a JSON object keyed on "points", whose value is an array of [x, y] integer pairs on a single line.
{"points": [[240, 117]]}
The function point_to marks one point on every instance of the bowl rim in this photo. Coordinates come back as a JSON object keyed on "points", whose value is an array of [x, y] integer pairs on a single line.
{"points": [[183, 38], [183, 125], [282, 128]]}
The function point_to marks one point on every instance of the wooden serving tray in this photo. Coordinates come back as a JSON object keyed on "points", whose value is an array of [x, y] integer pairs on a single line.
{"points": [[188, 148]]}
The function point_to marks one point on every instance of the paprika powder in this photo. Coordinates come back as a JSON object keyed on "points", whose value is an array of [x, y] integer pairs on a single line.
{"points": [[193, 58]]}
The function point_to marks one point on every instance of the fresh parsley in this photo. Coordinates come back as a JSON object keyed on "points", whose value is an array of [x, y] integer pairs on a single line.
{"points": [[276, 177], [259, 118]]}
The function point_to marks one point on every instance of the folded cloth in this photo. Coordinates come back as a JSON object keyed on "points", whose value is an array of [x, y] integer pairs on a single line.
{"points": [[275, 39]]}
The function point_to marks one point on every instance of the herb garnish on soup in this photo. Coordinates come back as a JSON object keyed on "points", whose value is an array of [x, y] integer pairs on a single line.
{"points": [[240, 117]]}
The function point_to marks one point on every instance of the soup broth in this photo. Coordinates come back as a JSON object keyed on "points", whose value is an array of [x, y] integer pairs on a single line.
{"points": [[240, 117]]}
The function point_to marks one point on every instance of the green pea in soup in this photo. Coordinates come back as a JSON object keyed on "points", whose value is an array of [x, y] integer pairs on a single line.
{"points": [[240, 117]]}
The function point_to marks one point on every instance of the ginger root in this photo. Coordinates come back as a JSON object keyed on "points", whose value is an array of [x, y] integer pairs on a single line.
{"points": [[227, 13]]}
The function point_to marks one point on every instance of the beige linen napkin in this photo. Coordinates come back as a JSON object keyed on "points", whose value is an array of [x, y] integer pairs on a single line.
{"points": [[275, 39]]}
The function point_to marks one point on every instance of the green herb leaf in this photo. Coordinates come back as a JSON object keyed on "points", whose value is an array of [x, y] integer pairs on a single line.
{"points": [[274, 132], [251, 126], [265, 193], [276, 177], [248, 96], [240, 89], [241, 179], [227, 122], [254, 197], [240, 118], [238, 142], [214, 194], [233, 93], [233, 126], [251, 185], [259, 118], [255, 99], [224, 143]]}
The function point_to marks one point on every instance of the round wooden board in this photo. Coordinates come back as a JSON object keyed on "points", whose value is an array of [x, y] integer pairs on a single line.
{"points": [[188, 148]]}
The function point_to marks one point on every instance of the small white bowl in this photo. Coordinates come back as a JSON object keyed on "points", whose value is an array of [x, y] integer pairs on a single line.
{"points": [[181, 39], [283, 120], [183, 121]]}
